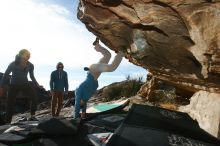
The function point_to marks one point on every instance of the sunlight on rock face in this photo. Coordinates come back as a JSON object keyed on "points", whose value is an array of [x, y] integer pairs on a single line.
{"points": [[139, 46], [177, 41], [140, 41]]}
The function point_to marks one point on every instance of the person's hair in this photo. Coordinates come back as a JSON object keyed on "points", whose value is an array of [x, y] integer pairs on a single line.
{"points": [[22, 52], [20, 55], [17, 59], [58, 64]]}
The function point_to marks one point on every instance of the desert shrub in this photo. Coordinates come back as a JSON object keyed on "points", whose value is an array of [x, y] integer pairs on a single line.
{"points": [[131, 87], [112, 92], [127, 88]]}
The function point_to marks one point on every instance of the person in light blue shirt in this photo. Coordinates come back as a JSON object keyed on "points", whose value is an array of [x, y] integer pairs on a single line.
{"points": [[58, 82], [88, 87]]}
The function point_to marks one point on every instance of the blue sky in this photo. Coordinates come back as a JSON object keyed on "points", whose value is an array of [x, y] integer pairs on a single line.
{"points": [[52, 33]]}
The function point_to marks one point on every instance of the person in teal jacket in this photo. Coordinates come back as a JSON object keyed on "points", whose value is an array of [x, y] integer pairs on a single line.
{"points": [[58, 82], [88, 87]]}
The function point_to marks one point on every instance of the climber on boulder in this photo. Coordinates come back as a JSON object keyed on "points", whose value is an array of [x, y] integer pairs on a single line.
{"points": [[88, 87]]}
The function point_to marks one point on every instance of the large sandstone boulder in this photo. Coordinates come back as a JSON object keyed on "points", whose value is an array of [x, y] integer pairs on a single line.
{"points": [[205, 108], [178, 41]]}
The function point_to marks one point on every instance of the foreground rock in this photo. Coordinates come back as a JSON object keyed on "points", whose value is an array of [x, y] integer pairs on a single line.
{"points": [[204, 107], [177, 41]]}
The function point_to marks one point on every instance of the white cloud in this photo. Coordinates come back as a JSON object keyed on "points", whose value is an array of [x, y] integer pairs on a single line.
{"points": [[45, 31], [50, 35]]}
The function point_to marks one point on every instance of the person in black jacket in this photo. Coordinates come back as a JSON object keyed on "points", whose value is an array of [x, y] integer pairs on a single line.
{"points": [[58, 82]]}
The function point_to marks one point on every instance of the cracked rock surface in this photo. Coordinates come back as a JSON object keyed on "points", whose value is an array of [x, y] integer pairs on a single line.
{"points": [[177, 41]]}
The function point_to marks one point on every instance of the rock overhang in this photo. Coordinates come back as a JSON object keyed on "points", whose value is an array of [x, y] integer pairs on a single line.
{"points": [[177, 41]]}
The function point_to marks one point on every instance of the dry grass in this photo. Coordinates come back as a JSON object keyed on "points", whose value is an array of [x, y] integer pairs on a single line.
{"points": [[128, 88]]}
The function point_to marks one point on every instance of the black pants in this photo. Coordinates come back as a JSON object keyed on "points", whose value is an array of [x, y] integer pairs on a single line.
{"points": [[11, 98]]}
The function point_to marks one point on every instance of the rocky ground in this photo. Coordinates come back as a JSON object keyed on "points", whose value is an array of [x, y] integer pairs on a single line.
{"points": [[163, 96], [67, 112]]}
